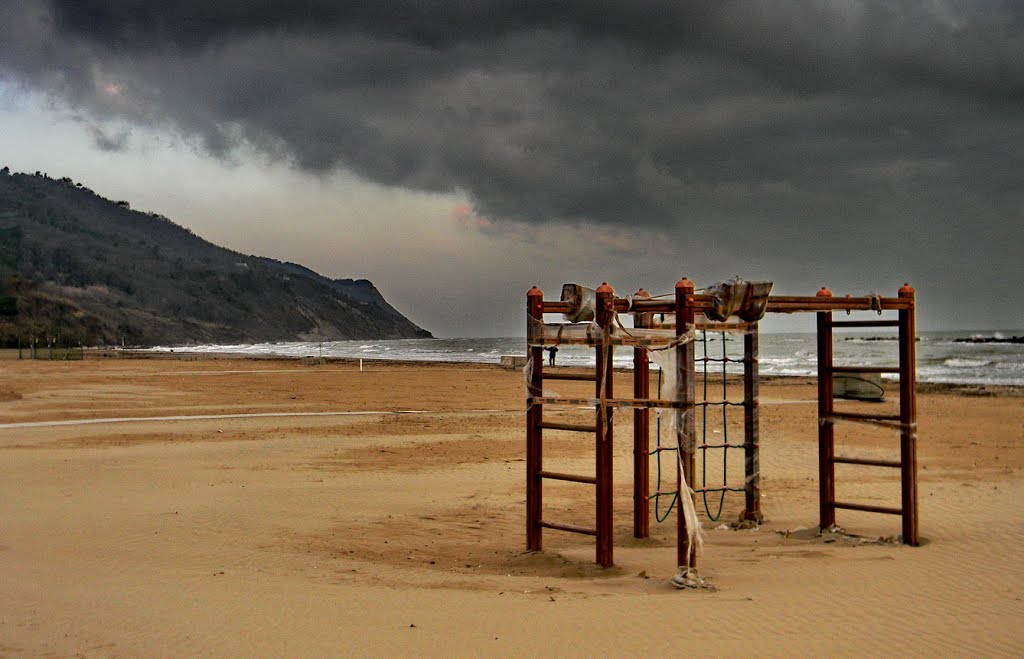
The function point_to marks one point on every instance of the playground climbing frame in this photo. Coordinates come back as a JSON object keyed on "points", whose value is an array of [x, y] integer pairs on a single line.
{"points": [[679, 319]]}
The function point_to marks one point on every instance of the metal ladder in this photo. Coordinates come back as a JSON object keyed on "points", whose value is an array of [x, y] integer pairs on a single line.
{"points": [[905, 422], [601, 430]]}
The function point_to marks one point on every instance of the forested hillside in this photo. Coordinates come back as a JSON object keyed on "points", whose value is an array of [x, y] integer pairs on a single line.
{"points": [[76, 265]]}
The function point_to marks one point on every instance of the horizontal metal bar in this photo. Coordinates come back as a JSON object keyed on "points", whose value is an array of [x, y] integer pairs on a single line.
{"points": [[776, 304], [572, 427], [647, 403], [724, 403], [864, 416], [894, 425], [863, 369], [885, 510], [865, 323], [571, 528], [610, 402], [561, 400], [572, 478], [583, 377], [870, 462], [792, 304], [667, 305], [594, 341]]}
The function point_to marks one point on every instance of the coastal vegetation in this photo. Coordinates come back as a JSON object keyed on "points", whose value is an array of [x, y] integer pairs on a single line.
{"points": [[76, 267]]}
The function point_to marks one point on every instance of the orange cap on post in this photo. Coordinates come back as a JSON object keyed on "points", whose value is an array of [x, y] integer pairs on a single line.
{"points": [[684, 283], [604, 288], [906, 290], [824, 292]]}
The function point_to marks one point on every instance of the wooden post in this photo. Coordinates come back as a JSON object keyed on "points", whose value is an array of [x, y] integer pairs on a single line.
{"points": [[826, 429], [686, 428], [908, 417], [534, 417], [603, 413], [751, 429], [641, 429]]}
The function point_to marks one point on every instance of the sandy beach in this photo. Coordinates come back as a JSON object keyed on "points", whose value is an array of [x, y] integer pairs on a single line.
{"points": [[381, 512]]}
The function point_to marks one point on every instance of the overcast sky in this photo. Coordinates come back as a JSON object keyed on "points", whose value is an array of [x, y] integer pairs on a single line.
{"points": [[456, 153]]}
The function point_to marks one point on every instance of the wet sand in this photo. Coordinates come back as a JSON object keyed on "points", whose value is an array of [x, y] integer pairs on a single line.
{"points": [[382, 512]]}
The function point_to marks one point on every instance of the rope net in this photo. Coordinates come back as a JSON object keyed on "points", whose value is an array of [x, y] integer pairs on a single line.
{"points": [[719, 413]]}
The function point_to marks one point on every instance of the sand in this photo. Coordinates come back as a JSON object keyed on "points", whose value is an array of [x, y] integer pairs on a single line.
{"points": [[385, 533]]}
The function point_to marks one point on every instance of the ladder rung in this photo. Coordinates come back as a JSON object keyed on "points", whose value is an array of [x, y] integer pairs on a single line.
{"points": [[865, 416], [572, 427], [567, 527], [554, 475], [868, 508], [875, 421], [864, 369], [865, 323], [581, 377], [870, 462]]}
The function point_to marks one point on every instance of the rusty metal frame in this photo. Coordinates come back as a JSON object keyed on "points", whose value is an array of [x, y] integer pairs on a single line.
{"points": [[686, 305]]}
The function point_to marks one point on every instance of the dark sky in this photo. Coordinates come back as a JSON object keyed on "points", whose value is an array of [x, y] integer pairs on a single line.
{"points": [[854, 144]]}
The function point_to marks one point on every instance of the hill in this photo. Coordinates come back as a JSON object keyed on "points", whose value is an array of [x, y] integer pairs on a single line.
{"points": [[76, 265]]}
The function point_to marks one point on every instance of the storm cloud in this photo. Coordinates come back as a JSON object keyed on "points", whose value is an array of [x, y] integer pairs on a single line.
{"points": [[788, 127]]}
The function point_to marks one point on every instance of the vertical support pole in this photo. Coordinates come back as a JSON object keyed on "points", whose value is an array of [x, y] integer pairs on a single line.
{"points": [[751, 428], [641, 428], [603, 467], [534, 417], [826, 427], [686, 428], [908, 416]]}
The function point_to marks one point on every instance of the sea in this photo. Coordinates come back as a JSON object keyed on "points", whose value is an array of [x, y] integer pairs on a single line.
{"points": [[975, 357]]}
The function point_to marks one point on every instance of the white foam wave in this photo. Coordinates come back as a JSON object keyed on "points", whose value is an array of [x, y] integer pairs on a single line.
{"points": [[940, 359], [960, 362]]}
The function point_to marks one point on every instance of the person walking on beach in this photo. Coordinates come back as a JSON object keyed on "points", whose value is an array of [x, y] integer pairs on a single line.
{"points": [[551, 355]]}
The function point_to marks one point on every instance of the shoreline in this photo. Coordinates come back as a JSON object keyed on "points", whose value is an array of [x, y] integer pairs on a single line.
{"points": [[951, 388], [955, 388]]}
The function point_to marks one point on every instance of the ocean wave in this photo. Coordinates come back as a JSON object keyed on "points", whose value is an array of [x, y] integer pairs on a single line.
{"points": [[940, 359], [961, 362]]}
